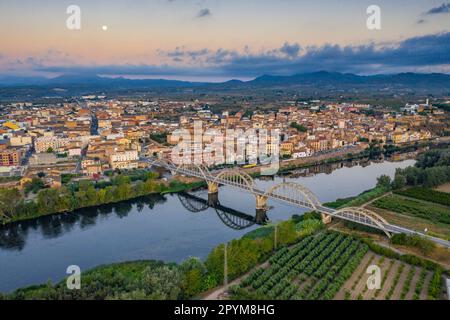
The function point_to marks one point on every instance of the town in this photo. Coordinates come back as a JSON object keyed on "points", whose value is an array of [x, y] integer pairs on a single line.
{"points": [[96, 135]]}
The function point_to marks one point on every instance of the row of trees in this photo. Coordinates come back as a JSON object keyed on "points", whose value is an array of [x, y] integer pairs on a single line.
{"points": [[14, 206], [431, 169]]}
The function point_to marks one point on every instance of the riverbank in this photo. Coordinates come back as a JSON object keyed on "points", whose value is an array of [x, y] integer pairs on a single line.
{"points": [[64, 200], [355, 153]]}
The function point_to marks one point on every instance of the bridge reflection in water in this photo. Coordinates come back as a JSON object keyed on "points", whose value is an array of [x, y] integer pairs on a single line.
{"points": [[230, 217]]}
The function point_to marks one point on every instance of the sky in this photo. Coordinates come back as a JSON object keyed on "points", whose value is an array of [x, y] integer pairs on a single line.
{"points": [[218, 40]]}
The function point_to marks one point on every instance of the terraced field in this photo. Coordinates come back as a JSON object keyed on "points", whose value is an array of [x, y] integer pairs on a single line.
{"points": [[329, 266], [399, 281]]}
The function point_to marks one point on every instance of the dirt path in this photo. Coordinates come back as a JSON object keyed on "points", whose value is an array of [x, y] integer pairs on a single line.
{"points": [[219, 293], [390, 277], [373, 200]]}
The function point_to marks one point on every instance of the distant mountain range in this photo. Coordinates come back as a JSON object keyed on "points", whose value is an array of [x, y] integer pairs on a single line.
{"points": [[84, 83], [94, 81], [323, 77]]}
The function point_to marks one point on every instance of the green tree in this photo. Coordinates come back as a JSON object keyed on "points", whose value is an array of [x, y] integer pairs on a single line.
{"points": [[50, 201], [286, 232], [384, 181], [215, 264], [9, 198], [34, 186], [163, 283], [298, 127], [194, 272], [399, 182]]}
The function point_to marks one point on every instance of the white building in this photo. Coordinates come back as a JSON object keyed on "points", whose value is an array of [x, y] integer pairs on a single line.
{"points": [[127, 159]]}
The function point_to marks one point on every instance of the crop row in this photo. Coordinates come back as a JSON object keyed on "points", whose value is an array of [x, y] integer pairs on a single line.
{"points": [[309, 270], [419, 284], [343, 258], [314, 253], [394, 283], [331, 260], [289, 269], [426, 194], [287, 254], [276, 272], [407, 283], [333, 280]]}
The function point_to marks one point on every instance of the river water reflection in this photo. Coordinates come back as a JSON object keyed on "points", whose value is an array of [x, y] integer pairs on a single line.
{"points": [[169, 228]]}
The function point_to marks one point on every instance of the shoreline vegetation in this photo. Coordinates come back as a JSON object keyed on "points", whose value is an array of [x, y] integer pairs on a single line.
{"points": [[85, 194], [371, 152]]}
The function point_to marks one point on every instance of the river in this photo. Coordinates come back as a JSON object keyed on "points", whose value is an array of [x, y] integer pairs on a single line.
{"points": [[160, 227]]}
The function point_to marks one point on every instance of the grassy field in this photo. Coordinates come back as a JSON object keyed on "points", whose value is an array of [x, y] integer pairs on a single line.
{"points": [[359, 200], [426, 194], [430, 211], [439, 230], [332, 266]]}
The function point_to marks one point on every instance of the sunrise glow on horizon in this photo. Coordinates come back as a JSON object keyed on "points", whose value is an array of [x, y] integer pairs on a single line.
{"points": [[219, 39]]}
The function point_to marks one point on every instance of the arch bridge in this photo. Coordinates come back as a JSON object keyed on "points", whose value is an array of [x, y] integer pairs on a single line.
{"points": [[288, 192]]}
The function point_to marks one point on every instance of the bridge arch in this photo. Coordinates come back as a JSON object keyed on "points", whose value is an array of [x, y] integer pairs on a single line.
{"points": [[235, 178], [157, 162], [233, 221], [200, 171], [192, 205], [289, 191], [363, 216]]}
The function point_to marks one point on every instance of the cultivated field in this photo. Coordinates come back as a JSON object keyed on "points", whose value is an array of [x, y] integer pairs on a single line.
{"points": [[417, 208], [399, 281], [329, 266]]}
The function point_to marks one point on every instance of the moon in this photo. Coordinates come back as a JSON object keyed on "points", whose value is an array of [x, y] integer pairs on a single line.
{"points": [[105, 28]]}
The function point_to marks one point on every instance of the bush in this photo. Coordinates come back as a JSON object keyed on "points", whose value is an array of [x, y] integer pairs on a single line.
{"points": [[424, 245], [308, 227], [435, 286]]}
